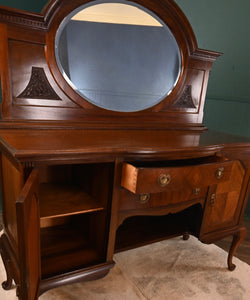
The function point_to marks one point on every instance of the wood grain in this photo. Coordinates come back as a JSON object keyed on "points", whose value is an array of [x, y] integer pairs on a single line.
{"points": [[57, 200], [64, 249]]}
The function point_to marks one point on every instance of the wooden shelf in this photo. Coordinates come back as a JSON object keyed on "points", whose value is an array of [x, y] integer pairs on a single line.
{"points": [[58, 200], [65, 249]]}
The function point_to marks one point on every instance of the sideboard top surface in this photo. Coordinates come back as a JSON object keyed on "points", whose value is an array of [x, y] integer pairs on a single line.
{"points": [[31, 145]]}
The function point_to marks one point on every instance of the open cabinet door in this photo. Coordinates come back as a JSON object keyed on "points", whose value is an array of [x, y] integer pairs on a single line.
{"points": [[28, 224]]}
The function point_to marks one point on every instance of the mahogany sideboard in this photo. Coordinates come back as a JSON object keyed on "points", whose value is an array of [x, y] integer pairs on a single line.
{"points": [[102, 148]]}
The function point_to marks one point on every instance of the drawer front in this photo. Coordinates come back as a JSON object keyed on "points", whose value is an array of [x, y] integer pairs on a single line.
{"points": [[139, 180], [131, 201], [224, 202]]}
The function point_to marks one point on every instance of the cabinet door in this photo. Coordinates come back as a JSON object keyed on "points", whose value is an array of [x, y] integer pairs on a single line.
{"points": [[28, 227], [224, 201]]}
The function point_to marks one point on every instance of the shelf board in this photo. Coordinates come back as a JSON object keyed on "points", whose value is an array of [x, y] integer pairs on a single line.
{"points": [[64, 249], [58, 200]]}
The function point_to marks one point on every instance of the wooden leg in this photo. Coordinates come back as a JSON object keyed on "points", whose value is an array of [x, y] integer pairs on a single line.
{"points": [[185, 236], [18, 291], [7, 285], [238, 237]]}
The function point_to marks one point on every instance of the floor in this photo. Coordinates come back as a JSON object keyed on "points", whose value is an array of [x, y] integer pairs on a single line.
{"points": [[243, 252]]}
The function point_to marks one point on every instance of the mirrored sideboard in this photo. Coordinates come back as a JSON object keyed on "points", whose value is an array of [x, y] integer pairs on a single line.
{"points": [[102, 143]]}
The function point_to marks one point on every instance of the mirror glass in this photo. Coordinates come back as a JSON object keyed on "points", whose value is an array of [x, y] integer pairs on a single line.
{"points": [[118, 55]]}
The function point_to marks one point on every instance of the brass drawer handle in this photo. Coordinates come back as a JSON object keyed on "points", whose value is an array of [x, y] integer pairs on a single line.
{"points": [[144, 198], [164, 179], [219, 172], [212, 199]]}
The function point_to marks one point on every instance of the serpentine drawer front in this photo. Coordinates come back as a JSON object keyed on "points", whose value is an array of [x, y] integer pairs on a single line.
{"points": [[149, 179], [130, 201], [148, 186]]}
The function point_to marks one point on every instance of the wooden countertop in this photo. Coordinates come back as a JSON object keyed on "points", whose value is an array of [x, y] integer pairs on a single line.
{"points": [[63, 144]]}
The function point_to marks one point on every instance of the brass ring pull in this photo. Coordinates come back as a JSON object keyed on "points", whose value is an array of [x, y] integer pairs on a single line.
{"points": [[144, 198], [164, 179], [219, 172]]}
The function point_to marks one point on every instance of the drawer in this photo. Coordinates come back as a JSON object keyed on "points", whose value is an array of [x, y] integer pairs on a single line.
{"points": [[148, 178], [131, 201]]}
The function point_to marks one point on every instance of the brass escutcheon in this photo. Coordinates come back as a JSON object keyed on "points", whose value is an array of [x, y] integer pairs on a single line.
{"points": [[219, 172], [164, 179], [196, 191], [212, 199], [144, 198]]}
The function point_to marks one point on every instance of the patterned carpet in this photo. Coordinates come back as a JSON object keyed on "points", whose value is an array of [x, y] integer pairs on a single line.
{"points": [[172, 269]]}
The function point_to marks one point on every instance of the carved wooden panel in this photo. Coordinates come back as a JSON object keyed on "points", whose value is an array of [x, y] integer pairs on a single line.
{"points": [[31, 81], [185, 101], [39, 86], [192, 97]]}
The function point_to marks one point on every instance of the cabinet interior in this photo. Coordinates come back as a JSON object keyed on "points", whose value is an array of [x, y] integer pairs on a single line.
{"points": [[137, 231], [180, 162], [74, 204]]}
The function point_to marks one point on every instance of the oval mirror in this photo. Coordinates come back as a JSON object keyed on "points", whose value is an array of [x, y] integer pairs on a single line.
{"points": [[117, 55]]}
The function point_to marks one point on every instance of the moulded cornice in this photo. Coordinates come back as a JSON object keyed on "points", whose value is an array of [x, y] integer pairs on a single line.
{"points": [[207, 55], [23, 18]]}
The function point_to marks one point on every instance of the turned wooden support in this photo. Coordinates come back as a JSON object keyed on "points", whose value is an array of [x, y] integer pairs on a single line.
{"points": [[238, 237], [185, 236]]}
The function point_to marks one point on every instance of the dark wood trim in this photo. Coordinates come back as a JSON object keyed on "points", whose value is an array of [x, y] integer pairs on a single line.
{"points": [[96, 272]]}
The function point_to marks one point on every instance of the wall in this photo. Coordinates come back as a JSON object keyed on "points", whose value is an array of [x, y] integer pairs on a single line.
{"points": [[221, 26], [224, 26], [30, 5]]}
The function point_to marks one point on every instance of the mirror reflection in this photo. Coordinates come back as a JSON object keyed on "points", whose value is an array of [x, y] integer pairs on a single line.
{"points": [[118, 56]]}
